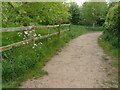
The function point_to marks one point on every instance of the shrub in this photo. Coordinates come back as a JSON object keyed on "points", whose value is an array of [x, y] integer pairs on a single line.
{"points": [[111, 26]]}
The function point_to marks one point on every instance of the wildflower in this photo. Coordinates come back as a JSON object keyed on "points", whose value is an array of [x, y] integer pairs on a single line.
{"points": [[33, 30], [18, 33], [25, 32], [41, 43], [39, 35], [35, 44], [30, 27], [30, 31], [23, 43], [34, 35]]}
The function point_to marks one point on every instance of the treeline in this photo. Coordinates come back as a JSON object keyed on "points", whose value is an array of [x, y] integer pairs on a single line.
{"points": [[102, 14], [90, 13], [27, 13], [23, 13]]}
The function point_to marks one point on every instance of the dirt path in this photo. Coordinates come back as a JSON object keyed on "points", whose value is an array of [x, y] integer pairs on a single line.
{"points": [[80, 64]]}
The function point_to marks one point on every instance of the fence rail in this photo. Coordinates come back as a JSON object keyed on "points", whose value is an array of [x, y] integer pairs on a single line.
{"points": [[32, 38], [28, 28]]}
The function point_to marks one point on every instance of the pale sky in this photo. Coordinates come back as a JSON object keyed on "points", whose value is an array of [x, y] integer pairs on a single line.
{"points": [[80, 2]]}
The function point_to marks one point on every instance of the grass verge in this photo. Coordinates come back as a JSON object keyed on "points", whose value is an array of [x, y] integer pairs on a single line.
{"points": [[111, 51]]}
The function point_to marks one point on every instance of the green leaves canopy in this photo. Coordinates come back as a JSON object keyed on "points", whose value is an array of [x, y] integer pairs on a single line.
{"points": [[92, 12], [111, 32], [74, 9], [25, 13]]}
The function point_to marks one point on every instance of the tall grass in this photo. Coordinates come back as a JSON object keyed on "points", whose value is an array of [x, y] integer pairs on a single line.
{"points": [[25, 62], [113, 52]]}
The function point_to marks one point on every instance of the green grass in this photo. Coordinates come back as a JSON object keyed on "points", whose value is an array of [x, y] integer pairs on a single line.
{"points": [[96, 28], [0, 74], [24, 62], [111, 51]]}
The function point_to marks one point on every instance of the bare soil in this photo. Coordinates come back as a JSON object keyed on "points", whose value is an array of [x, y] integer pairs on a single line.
{"points": [[80, 64]]}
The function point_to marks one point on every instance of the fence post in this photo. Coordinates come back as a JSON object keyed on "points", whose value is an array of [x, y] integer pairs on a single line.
{"points": [[48, 30], [25, 34], [32, 36], [69, 27], [59, 30]]}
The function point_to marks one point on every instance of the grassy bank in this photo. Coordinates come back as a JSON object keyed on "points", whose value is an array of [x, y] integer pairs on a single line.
{"points": [[24, 62], [111, 51]]}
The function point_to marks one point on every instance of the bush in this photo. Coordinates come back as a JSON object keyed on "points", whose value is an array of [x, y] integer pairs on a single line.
{"points": [[111, 26]]}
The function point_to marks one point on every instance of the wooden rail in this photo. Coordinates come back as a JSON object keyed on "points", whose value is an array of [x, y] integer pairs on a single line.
{"points": [[32, 39], [28, 28]]}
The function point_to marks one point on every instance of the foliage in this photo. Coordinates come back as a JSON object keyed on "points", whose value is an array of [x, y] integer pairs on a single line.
{"points": [[74, 10], [94, 13], [25, 13], [111, 32]]}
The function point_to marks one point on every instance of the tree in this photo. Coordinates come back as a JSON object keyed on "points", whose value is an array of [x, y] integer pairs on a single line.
{"points": [[74, 9], [25, 13], [93, 12]]}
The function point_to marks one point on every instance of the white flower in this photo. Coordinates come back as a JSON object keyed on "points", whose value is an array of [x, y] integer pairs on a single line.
{"points": [[18, 33], [33, 47], [25, 32], [30, 27], [33, 30], [30, 31], [34, 35], [35, 44], [39, 34], [23, 43], [41, 43]]}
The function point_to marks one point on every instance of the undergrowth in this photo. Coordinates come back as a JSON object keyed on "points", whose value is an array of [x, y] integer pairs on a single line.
{"points": [[111, 51]]}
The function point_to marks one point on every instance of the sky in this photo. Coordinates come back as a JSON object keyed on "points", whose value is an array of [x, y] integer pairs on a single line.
{"points": [[80, 2]]}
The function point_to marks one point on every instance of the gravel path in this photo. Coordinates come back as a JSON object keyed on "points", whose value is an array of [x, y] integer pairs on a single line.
{"points": [[80, 64]]}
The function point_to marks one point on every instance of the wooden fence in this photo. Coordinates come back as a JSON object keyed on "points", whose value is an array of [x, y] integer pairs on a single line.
{"points": [[31, 38]]}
